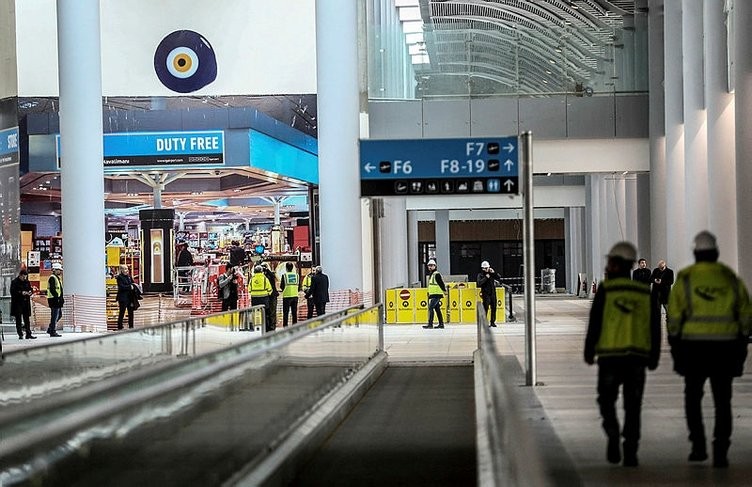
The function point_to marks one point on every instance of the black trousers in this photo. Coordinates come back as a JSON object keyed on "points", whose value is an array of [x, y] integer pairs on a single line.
{"points": [[230, 303], [289, 305], [434, 306], [320, 307], [720, 384], [26, 325], [271, 313], [309, 308], [490, 302], [122, 307], [263, 300], [631, 377]]}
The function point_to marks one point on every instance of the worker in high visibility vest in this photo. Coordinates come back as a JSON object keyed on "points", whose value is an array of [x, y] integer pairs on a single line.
{"points": [[260, 289], [55, 298], [708, 330], [624, 332], [289, 286], [436, 291], [309, 298]]}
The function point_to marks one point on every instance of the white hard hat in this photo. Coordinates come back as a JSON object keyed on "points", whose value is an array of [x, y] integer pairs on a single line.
{"points": [[431, 262], [623, 250], [57, 266], [485, 265], [705, 241]]}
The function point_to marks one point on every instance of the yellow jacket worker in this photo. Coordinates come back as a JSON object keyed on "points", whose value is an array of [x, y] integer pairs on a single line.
{"points": [[260, 289], [708, 328]]}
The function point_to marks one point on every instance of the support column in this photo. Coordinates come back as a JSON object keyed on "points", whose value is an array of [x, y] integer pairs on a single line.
{"points": [[743, 38], [721, 134], [631, 208], [394, 241], [658, 172], [677, 252], [338, 132], [82, 173], [695, 121], [413, 266], [575, 246], [644, 229], [593, 229], [442, 241]]}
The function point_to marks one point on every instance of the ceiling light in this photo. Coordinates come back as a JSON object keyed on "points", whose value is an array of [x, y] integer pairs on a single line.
{"points": [[196, 193]]}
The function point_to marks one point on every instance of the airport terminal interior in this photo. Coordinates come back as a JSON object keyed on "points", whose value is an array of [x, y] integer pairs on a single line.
{"points": [[162, 162]]}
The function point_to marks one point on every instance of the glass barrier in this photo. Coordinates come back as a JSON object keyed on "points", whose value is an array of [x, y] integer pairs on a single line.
{"points": [[195, 422], [33, 373]]}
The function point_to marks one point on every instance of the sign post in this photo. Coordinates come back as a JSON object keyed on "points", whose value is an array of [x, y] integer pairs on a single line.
{"points": [[529, 257]]}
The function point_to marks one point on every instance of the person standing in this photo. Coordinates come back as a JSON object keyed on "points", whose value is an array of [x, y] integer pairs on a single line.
{"points": [[642, 273], [260, 288], [20, 303], [624, 332], [55, 298], [271, 310], [486, 281], [228, 288], [289, 286], [307, 295], [662, 279], [436, 291], [708, 330], [126, 296], [237, 254], [183, 260], [319, 291]]}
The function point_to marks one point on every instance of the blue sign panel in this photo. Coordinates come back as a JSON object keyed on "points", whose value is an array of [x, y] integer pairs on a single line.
{"points": [[439, 166], [9, 146], [162, 148]]}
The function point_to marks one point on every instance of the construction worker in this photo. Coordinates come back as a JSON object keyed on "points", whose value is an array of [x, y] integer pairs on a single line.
{"points": [[260, 289], [624, 332], [309, 298], [289, 286], [708, 329], [436, 291], [55, 298]]}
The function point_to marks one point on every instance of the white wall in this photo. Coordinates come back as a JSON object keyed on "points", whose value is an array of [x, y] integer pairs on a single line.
{"points": [[262, 47], [8, 79]]}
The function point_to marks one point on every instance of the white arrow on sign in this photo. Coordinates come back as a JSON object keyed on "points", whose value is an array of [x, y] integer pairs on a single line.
{"points": [[509, 148], [509, 184], [369, 167], [509, 164]]}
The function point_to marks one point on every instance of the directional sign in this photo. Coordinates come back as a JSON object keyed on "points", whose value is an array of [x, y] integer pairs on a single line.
{"points": [[9, 146], [439, 166]]}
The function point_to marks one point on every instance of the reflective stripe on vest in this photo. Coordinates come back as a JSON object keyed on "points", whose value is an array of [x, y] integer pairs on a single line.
{"points": [[259, 285], [710, 308], [59, 287], [433, 288], [626, 319], [291, 285]]}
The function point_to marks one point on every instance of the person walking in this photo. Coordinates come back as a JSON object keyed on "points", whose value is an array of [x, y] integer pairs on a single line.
{"points": [[319, 291], [436, 291], [126, 296], [55, 298], [271, 310], [307, 295], [624, 333], [289, 286], [708, 330], [260, 288], [486, 281], [228, 288], [642, 273], [20, 304], [662, 279]]}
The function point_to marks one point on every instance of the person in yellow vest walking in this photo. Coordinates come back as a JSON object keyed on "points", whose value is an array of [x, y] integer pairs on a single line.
{"points": [[624, 332], [55, 298], [309, 298], [289, 286], [260, 289], [436, 291], [708, 329]]}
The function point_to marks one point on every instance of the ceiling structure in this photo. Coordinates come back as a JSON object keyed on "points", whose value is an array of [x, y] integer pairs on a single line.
{"points": [[516, 46]]}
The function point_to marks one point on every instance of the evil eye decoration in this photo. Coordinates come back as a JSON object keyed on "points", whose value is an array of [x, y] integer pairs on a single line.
{"points": [[185, 62]]}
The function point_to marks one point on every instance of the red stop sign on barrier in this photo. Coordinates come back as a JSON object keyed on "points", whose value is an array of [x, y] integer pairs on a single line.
{"points": [[404, 294]]}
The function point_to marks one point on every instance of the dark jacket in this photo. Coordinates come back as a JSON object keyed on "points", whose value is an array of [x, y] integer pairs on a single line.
{"points": [[185, 258], [125, 293], [237, 255], [20, 304], [273, 281], [319, 291], [642, 275], [486, 283], [663, 289]]}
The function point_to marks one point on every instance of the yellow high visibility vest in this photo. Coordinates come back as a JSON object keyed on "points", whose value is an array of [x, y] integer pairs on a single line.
{"points": [[626, 319], [259, 285], [291, 285]]}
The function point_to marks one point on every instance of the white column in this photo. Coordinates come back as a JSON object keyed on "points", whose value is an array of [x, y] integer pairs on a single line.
{"points": [[644, 230], [721, 134], [677, 253], [442, 241], [82, 173], [338, 131], [657, 216], [413, 266], [631, 207], [394, 240], [594, 260], [743, 36], [575, 245], [695, 121]]}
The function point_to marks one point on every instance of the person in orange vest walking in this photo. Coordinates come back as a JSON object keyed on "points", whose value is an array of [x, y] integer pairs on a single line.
{"points": [[260, 289]]}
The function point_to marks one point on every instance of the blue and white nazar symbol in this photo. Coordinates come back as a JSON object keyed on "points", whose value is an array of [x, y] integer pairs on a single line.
{"points": [[185, 61]]}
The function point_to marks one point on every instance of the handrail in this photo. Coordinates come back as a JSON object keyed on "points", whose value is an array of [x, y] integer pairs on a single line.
{"points": [[507, 454], [37, 426]]}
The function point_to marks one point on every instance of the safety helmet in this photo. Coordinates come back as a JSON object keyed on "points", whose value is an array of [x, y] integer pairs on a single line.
{"points": [[431, 262], [485, 265], [623, 250], [705, 241], [258, 268], [57, 266]]}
